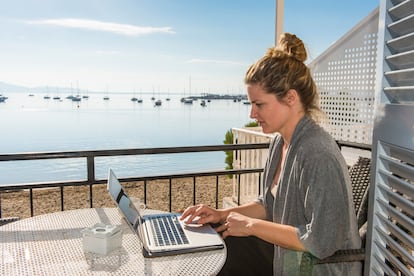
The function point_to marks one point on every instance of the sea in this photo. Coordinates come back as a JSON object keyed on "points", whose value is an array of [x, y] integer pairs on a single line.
{"points": [[31, 123]]}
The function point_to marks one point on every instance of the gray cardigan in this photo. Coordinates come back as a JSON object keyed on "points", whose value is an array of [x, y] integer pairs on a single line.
{"points": [[314, 195]]}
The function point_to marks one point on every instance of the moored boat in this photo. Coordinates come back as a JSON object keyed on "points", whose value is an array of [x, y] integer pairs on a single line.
{"points": [[158, 102]]}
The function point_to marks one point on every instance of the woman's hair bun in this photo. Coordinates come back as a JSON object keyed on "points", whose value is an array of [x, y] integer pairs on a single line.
{"points": [[291, 45]]}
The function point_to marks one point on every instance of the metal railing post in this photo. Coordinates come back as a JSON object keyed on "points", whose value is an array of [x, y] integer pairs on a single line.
{"points": [[90, 163]]}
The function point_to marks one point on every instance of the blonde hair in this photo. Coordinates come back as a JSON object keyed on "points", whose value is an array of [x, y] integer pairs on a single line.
{"points": [[283, 68]]}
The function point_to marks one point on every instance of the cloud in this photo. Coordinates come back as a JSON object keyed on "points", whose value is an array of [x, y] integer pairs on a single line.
{"points": [[108, 53], [215, 61], [94, 25]]}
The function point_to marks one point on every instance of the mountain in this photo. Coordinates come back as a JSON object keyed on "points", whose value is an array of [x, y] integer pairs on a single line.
{"points": [[7, 87], [11, 88]]}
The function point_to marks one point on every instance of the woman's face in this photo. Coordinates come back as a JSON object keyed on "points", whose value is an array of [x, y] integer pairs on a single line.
{"points": [[271, 114]]}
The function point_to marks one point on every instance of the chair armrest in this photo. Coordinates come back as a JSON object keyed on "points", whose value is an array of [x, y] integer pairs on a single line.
{"points": [[346, 255], [6, 220]]}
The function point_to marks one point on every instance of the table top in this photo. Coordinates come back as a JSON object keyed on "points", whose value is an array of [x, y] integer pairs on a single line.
{"points": [[51, 244]]}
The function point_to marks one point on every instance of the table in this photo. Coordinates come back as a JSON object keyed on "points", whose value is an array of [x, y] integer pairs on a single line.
{"points": [[51, 244]]}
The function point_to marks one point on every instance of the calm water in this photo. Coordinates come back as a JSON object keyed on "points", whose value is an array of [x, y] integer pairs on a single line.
{"points": [[34, 124]]}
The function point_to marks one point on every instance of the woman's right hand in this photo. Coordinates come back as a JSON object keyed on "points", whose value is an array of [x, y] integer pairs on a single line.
{"points": [[203, 213]]}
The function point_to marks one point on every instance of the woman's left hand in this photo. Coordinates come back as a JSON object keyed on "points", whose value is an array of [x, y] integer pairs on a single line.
{"points": [[237, 225]]}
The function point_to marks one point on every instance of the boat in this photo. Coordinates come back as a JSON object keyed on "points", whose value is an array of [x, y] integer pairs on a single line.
{"points": [[3, 98], [106, 97], [187, 100], [85, 96], [76, 99], [158, 102], [134, 98], [47, 97]]}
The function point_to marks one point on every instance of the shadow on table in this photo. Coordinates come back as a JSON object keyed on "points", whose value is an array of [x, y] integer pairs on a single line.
{"points": [[41, 235], [110, 262]]}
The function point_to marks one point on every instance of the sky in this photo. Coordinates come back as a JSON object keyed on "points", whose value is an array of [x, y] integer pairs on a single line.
{"points": [[183, 46]]}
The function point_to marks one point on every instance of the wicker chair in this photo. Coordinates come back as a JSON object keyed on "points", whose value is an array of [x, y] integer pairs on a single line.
{"points": [[360, 178], [6, 220]]}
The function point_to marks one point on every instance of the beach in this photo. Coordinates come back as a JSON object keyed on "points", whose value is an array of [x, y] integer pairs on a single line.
{"points": [[48, 200]]}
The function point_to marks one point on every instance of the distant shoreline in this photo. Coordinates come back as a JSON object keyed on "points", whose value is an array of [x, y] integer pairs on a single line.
{"points": [[71, 91]]}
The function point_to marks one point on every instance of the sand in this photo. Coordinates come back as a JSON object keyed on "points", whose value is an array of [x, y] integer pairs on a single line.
{"points": [[17, 203]]}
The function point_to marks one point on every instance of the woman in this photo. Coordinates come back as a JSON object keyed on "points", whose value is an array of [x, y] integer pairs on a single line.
{"points": [[307, 200]]}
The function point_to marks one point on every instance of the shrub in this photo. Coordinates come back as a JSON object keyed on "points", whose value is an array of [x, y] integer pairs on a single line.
{"points": [[228, 139]]}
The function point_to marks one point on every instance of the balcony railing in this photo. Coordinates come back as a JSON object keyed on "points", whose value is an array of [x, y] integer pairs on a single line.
{"points": [[92, 181], [250, 147]]}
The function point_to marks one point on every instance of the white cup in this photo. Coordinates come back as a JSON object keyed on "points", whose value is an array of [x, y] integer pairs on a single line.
{"points": [[137, 203]]}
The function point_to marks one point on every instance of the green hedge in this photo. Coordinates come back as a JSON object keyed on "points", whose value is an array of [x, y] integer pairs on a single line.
{"points": [[228, 139]]}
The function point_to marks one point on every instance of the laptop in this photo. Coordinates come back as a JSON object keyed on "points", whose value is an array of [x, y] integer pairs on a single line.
{"points": [[162, 234]]}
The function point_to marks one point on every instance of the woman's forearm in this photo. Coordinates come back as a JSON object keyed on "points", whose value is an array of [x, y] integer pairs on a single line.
{"points": [[275, 233], [252, 210]]}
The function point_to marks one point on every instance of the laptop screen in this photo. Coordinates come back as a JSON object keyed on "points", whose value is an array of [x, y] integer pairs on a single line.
{"points": [[124, 203]]}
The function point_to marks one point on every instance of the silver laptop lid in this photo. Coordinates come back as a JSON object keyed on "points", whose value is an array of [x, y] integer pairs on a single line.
{"points": [[125, 205]]}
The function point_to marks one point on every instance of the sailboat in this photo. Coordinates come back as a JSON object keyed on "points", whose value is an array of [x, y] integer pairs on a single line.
{"points": [[106, 97], [2, 98], [168, 97], [158, 102], [77, 98], [188, 100], [134, 99], [153, 95], [57, 97], [46, 97], [86, 96], [140, 100]]}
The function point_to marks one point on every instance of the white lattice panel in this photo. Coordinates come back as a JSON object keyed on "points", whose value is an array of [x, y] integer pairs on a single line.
{"points": [[249, 188], [345, 76]]}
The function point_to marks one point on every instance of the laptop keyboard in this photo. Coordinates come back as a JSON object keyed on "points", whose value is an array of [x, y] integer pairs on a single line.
{"points": [[167, 230]]}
